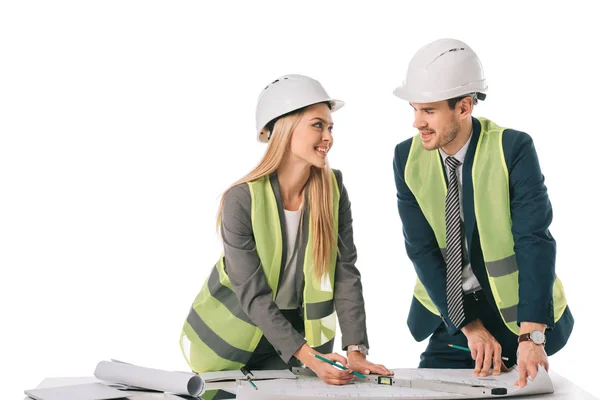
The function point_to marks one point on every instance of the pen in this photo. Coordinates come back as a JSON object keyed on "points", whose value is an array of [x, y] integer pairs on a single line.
{"points": [[454, 346], [248, 373], [337, 365]]}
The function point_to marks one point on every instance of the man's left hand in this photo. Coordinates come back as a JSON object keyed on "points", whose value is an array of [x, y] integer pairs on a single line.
{"points": [[530, 355]]}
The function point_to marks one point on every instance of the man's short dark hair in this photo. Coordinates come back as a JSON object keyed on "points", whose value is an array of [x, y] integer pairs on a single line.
{"points": [[475, 96], [454, 101]]}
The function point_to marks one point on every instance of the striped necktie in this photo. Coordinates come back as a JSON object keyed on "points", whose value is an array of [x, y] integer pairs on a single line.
{"points": [[454, 292]]}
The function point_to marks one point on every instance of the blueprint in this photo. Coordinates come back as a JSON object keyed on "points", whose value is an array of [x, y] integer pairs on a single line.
{"points": [[306, 387]]}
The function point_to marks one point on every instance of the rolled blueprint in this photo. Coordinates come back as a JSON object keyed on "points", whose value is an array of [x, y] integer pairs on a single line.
{"points": [[175, 382]]}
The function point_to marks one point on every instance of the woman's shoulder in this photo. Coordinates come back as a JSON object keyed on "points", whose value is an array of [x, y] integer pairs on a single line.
{"points": [[338, 176], [237, 194]]}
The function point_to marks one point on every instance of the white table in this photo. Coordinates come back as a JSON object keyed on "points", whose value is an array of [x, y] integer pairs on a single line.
{"points": [[563, 389]]}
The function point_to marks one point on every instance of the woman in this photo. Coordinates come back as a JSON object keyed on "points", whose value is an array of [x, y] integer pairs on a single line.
{"points": [[289, 254]]}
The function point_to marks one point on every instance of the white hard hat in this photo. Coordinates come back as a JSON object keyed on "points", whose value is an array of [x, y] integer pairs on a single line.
{"points": [[287, 94], [444, 69]]}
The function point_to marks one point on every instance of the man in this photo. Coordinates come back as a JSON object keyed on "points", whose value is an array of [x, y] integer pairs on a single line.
{"points": [[475, 214]]}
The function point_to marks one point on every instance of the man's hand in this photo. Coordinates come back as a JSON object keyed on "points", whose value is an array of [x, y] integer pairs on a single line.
{"points": [[485, 349], [530, 355]]}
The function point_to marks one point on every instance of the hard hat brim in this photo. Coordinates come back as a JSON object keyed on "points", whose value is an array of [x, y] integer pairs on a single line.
{"points": [[335, 105], [428, 97]]}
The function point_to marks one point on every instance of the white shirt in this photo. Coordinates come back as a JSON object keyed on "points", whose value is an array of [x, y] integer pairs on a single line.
{"points": [[470, 282], [287, 298]]}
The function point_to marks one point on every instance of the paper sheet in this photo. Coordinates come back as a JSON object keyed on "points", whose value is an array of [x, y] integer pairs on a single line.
{"points": [[185, 383], [86, 391], [310, 387]]}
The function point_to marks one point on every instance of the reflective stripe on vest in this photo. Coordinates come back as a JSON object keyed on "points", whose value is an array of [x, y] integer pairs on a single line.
{"points": [[217, 334], [424, 175]]}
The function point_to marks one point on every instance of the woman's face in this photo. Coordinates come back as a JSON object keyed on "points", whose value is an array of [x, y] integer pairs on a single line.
{"points": [[312, 139]]}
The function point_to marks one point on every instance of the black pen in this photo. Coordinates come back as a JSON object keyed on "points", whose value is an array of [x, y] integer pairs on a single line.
{"points": [[247, 373]]}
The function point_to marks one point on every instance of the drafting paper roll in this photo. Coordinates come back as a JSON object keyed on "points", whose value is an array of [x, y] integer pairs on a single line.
{"points": [[175, 382]]}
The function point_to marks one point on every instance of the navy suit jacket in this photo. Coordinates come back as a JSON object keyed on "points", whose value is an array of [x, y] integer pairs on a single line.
{"points": [[535, 248]]}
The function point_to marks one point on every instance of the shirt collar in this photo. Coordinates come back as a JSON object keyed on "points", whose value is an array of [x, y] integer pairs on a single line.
{"points": [[461, 154]]}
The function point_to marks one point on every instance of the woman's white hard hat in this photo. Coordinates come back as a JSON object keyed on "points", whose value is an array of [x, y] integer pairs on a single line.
{"points": [[287, 94]]}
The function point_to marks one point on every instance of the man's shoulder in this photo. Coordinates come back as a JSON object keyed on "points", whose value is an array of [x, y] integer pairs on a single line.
{"points": [[403, 149]]}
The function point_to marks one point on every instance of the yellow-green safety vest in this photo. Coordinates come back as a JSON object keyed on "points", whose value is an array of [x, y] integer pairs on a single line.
{"points": [[217, 335], [424, 175]]}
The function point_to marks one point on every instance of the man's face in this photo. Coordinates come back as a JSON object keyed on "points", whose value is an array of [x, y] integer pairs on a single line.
{"points": [[437, 123]]}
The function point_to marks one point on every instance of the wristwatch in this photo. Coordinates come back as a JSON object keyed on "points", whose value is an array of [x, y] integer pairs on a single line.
{"points": [[361, 348], [536, 337]]}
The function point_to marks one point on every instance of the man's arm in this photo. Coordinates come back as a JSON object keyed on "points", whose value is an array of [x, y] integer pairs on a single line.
{"points": [[535, 248]]}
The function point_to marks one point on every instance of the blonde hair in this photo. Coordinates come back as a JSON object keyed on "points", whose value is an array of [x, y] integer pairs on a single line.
{"points": [[318, 191]]}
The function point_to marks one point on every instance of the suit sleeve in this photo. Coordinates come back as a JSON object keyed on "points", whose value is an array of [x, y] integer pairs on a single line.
{"points": [[421, 245], [531, 214], [348, 293], [247, 277]]}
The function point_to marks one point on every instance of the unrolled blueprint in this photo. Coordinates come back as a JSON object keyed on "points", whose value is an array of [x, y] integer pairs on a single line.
{"points": [[311, 387]]}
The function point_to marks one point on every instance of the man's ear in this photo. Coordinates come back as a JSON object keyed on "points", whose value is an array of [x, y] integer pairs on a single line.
{"points": [[466, 107]]}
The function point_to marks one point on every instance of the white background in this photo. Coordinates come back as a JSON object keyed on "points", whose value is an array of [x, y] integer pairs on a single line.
{"points": [[122, 122]]}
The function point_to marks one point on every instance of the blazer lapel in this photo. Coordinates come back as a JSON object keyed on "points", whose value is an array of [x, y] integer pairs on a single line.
{"points": [[467, 184], [282, 223]]}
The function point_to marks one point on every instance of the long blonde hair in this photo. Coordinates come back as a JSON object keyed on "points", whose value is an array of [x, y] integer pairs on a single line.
{"points": [[318, 190]]}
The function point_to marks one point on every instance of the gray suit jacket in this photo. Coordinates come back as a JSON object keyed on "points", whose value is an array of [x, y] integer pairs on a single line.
{"points": [[245, 272]]}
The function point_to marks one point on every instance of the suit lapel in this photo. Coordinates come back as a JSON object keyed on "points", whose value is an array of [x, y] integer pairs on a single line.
{"points": [[467, 184]]}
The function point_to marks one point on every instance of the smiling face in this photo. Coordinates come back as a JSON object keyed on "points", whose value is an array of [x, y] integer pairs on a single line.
{"points": [[437, 123], [312, 138]]}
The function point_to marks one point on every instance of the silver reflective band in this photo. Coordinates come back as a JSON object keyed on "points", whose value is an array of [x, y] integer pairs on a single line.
{"points": [[326, 347], [226, 297], [319, 310], [509, 313], [216, 344], [503, 267]]}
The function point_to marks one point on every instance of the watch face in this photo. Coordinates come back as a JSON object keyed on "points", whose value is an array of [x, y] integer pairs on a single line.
{"points": [[537, 337]]}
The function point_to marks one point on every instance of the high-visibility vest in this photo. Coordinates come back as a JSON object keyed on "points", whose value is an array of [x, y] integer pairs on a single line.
{"points": [[217, 335], [424, 175]]}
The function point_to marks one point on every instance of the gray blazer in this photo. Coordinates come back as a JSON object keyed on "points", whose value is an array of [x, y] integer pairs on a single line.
{"points": [[248, 280]]}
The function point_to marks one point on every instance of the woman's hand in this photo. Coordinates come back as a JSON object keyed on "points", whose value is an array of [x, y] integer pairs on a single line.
{"points": [[328, 373], [359, 363]]}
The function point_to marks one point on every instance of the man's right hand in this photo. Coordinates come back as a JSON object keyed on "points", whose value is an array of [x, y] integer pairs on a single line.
{"points": [[328, 373], [485, 349]]}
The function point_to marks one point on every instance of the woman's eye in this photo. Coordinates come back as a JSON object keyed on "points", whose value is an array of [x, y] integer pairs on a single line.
{"points": [[318, 125]]}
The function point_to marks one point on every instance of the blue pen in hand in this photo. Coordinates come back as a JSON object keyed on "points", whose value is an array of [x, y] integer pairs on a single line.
{"points": [[337, 365]]}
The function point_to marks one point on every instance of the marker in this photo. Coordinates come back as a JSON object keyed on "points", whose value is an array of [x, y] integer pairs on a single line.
{"points": [[455, 346], [248, 373], [337, 365]]}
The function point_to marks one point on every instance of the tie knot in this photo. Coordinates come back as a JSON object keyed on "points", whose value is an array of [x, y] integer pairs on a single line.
{"points": [[452, 163]]}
